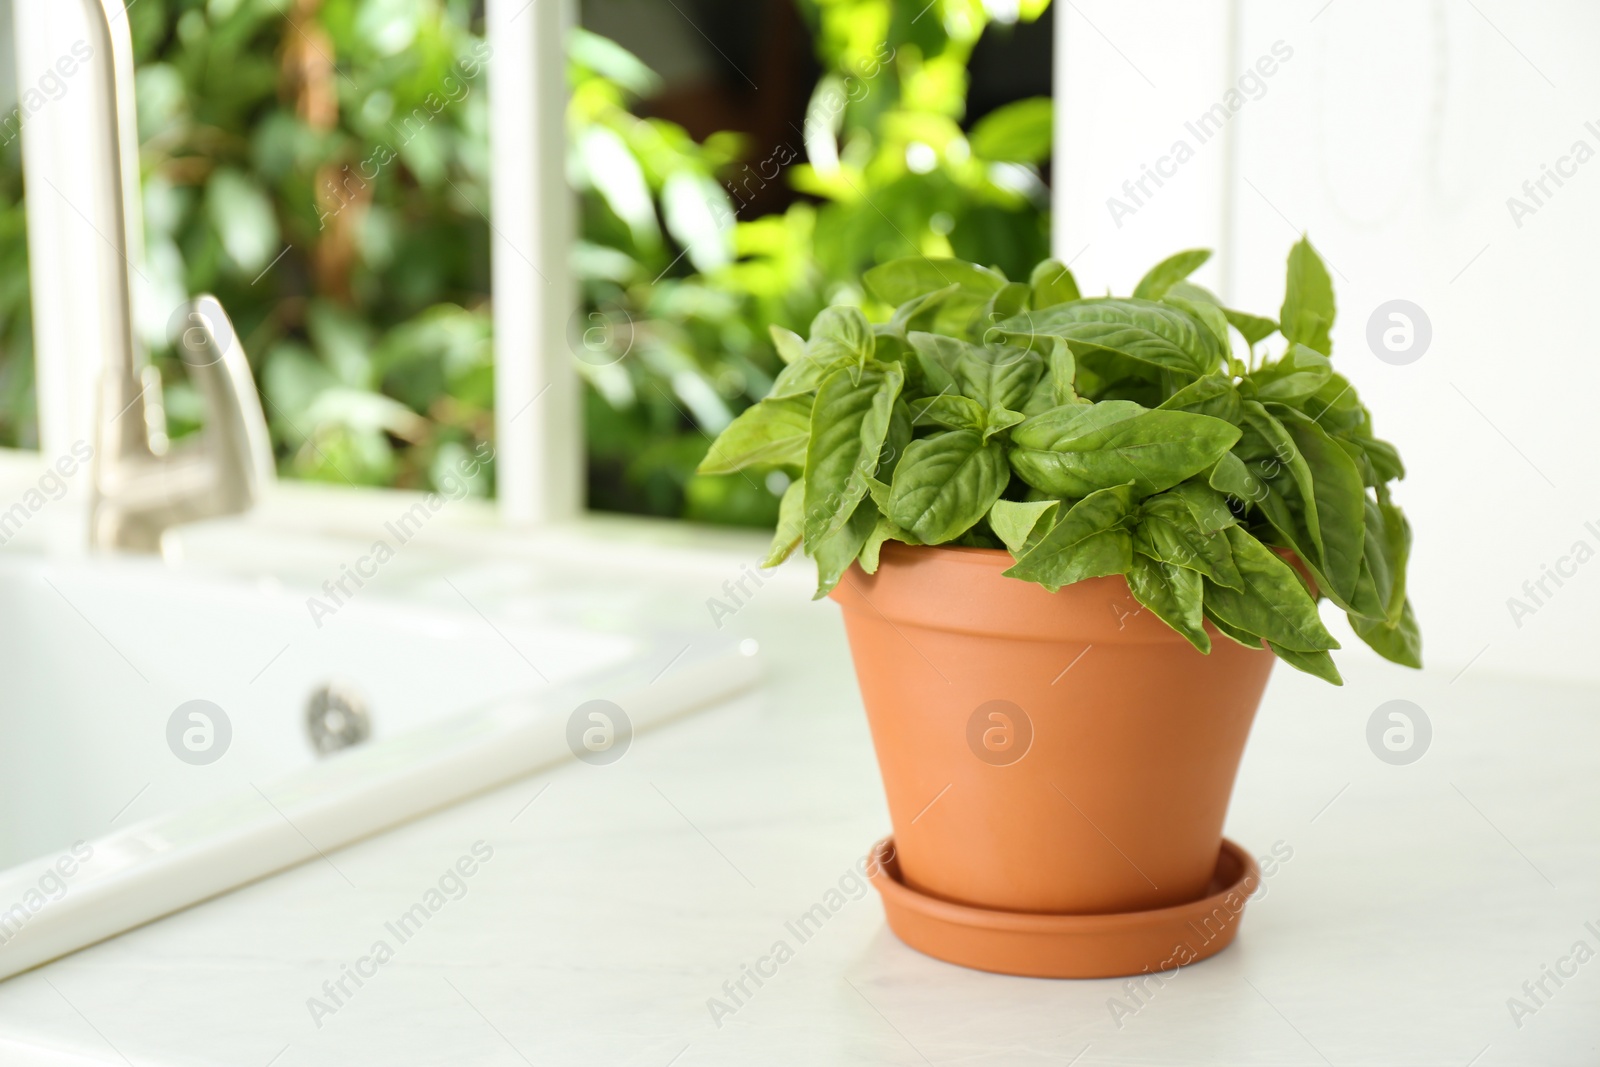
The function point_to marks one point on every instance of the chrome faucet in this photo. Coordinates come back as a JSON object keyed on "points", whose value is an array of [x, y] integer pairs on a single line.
{"points": [[140, 487]]}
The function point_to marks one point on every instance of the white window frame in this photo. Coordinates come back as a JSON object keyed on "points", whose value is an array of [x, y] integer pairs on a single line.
{"points": [[538, 412]]}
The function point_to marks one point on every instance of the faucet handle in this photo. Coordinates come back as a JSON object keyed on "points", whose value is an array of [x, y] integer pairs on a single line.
{"points": [[235, 438]]}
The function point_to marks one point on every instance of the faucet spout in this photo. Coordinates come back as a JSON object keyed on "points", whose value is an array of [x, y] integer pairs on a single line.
{"points": [[140, 488], [140, 493]]}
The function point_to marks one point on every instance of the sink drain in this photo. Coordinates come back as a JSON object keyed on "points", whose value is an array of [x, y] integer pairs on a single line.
{"points": [[336, 718]]}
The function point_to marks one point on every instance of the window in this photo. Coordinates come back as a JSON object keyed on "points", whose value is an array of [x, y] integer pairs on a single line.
{"points": [[326, 170]]}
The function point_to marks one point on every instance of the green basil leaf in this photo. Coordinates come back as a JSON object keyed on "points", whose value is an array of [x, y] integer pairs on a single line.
{"points": [[1140, 330], [1300, 373], [821, 357], [1061, 426], [1207, 314], [1233, 477], [878, 492], [1170, 271], [1199, 294], [1020, 523], [1090, 541], [791, 523], [1308, 309], [1289, 499], [889, 346], [1055, 386], [896, 440], [1375, 585], [936, 358], [1397, 543], [1316, 663], [1153, 450], [1063, 369], [1234, 633], [998, 376], [835, 553], [1213, 395], [1253, 328], [1168, 531], [849, 423], [1399, 642], [844, 330], [1272, 603], [769, 433], [919, 312], [999, 420], [1208, 506], [1340, 498], [952, 411], [790, 345], [800, 378], [1358, 456], [1174, 594], [883, 531], [1286, 515], [945, 484], [1010, 300], [1041, 398], [1336, 407], [1204, 305], [1383, 456], [1053, 284], [900, 280]]}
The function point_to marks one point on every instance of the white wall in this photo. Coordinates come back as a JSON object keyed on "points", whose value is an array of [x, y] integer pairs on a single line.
{"points": [[1394, 135]]}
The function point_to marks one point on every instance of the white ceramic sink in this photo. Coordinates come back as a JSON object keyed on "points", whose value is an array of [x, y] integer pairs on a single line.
{"points": [[110, 817]]}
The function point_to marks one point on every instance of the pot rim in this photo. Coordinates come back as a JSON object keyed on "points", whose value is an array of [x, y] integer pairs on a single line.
{"points": [[973, 553], [961, 589], [901, 554]]}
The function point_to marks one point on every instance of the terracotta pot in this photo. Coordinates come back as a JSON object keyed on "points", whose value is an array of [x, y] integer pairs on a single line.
{"points": [[1060, 753]]}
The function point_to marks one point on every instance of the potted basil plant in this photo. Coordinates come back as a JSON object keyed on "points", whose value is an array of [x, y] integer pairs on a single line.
{"points": [[1070, 536]]}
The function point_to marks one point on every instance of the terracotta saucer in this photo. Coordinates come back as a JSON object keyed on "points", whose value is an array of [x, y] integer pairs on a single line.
{"points": [[1069, 946]]}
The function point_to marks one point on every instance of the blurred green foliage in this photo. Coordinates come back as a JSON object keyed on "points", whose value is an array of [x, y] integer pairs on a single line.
{"points": [[19, 421], [677, 340], [322, 167]]}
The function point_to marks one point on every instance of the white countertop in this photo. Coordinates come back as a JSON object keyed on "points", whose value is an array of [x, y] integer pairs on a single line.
{"points": [[618, 899]]}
